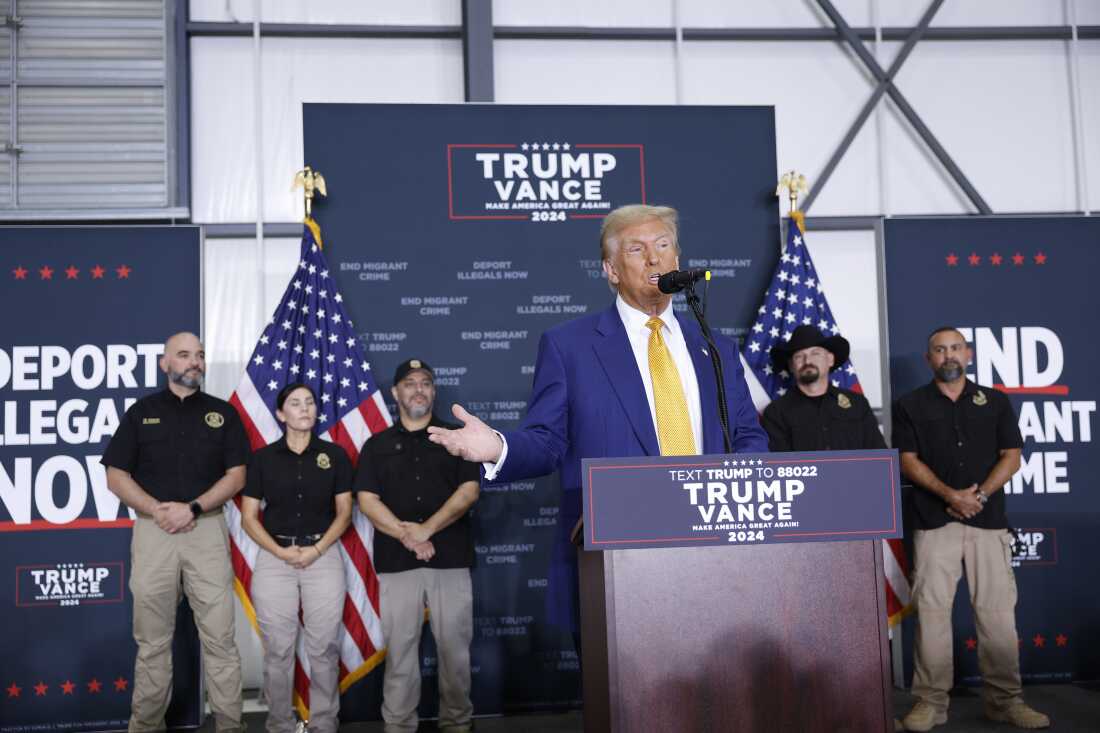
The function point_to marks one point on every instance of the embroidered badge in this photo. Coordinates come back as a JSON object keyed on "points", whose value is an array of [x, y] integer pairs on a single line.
{"points": [[414, 363], [150, 421], [980, 398], [215, 419], [323, 461], [843, 401]]}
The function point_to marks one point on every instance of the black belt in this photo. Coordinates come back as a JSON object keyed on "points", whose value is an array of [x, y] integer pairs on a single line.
{"points": [[305, 540]]}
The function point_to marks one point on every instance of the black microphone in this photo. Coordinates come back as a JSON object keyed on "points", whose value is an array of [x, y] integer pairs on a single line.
{"points": [[677, 280]]}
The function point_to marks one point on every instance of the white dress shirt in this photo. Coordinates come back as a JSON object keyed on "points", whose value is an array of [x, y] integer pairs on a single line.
{"points": [[637, 334]]}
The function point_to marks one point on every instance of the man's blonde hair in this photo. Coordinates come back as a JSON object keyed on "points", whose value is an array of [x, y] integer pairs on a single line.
{"points": [[630, 215]]}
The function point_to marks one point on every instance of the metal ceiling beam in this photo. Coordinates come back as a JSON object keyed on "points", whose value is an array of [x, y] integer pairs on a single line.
{"points": [[869, 106], [477, 50], [904, 107]]}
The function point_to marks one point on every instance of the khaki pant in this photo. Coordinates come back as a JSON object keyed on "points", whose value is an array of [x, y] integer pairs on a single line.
{"points": [[277, 590], [449, 597], [986, 554], [159, 562]]}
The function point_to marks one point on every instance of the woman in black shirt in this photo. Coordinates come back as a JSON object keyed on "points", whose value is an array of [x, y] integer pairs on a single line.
{"points": [[306, 484]]}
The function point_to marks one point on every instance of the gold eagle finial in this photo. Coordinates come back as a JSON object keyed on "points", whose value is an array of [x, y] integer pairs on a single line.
{"points": [[312, 183], [794, 183]]}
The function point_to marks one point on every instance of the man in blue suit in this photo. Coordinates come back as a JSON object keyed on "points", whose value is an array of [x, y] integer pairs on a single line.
{"points": [[593, 394]]}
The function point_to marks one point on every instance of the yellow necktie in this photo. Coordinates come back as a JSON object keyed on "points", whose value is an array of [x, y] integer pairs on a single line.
{"points": [[673, 423]]}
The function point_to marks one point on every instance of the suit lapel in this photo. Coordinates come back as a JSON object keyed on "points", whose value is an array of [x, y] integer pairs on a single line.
{"points": [[708, 390], [617, 359]]}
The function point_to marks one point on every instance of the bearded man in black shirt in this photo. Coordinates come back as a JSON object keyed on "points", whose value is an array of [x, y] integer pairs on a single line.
{"points": [[959, 444], [816, 415]]}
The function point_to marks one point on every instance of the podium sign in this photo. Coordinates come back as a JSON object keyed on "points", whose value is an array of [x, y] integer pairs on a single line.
{"points": [[742, 499]]}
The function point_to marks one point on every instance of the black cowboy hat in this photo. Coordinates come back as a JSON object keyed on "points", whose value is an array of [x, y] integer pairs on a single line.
{"points": [[806, 337]]}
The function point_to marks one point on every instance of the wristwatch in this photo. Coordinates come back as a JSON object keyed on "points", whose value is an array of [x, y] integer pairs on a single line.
{"points": [[196, 509], [982, 498]]}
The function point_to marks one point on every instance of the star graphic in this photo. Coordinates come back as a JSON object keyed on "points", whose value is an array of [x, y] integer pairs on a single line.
{"points": [[1017, 259], [1040, 259], [20, 273], [120, 684], [67, 687], [123, 272], [46, 272], [14, 690], [40, 689], [952, 260], [95, 686], [97, 272], [995, 259], [1061, 640], [71, 272], [971, 644], [974, 259], [1039, 641]]}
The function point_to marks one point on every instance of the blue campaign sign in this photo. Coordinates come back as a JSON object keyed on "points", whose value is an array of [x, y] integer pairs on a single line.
{"points": [[1019, 290], [743, 499], [87, 311], [459, 233]]}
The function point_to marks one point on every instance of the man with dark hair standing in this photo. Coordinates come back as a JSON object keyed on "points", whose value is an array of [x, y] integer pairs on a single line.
{"points": [[959, 444], [815, 415], [418, 497], [177, 456]]}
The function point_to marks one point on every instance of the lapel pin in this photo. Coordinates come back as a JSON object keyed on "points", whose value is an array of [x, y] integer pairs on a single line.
{"points": [[705, 353]]}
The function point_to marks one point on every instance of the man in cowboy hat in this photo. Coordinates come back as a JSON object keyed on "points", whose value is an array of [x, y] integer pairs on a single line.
{"points": [[817, 415]]}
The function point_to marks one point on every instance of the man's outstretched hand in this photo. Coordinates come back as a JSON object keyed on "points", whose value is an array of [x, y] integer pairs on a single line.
{"points": [[474, 441]]}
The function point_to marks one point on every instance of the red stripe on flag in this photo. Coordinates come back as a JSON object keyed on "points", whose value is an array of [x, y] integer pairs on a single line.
{"points": [[339, 435], [368, 408], [254, 436], [898, 549], [357, 552], [893, 604], [301, 682], [343, 670], [353, 624]]}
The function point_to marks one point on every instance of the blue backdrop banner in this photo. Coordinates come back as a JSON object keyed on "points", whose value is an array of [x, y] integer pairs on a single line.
{"points": [[1019, 290], [86, 313], [459, 233]]}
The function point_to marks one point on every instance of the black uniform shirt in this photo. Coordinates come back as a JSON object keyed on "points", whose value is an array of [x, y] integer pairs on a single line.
{"points": [[300, 490], [837, 420], [414, 477], [177, 449], [960, 441]]}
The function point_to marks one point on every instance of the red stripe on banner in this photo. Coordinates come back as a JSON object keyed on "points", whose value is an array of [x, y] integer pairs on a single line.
{"points": [[353, 624], [360, 559], [368, 408], [338, 434], [1059, 389], [41, 524], [857, 388], [254, 436]]}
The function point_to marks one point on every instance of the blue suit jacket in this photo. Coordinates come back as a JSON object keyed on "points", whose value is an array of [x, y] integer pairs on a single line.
{"points": [[588, 401]]}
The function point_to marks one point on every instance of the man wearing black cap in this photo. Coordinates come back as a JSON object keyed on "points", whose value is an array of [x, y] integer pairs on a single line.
{"points": [[418, 498], [817, 415]]}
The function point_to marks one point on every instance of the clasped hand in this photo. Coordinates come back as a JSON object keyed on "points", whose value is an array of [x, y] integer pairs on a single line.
{"points": [[416, 539], [965, 503], [299, 557], [173, 517]]}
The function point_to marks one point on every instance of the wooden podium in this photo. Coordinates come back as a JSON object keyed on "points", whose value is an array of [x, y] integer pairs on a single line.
{"points": [[746, 638]]}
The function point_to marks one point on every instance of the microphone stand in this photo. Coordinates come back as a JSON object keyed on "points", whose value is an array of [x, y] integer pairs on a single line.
{"points": [[716, 362]]}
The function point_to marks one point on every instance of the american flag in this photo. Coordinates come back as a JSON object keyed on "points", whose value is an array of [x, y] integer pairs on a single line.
{"points": [[311, 339], [794, 298]]}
